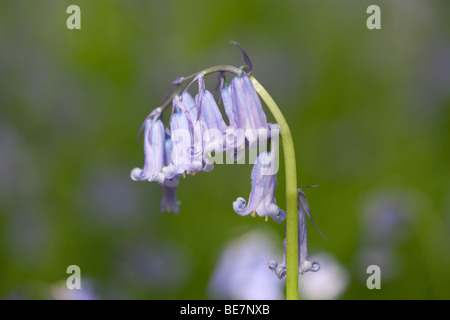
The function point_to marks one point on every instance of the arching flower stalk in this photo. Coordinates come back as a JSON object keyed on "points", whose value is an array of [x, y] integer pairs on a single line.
{"points": [[197, 137]]}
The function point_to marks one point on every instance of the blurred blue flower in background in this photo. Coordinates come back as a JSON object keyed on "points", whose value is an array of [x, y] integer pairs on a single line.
{"points": [[387, 218], [330, 283], [241, 271], [59, 291]]}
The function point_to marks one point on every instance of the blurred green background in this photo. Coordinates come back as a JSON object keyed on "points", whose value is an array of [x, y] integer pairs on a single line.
{"points": [[369, 111]]}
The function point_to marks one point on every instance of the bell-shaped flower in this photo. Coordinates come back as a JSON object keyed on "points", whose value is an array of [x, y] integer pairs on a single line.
{"points": [[154, 140], [189, 106], [212, 121], [186, 138], [262, 196], [304, 264], [180, 133], [198, 126], [235, 140], [169, 168], [246, 110]]}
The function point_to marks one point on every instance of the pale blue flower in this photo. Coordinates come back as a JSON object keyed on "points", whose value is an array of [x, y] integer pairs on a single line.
{"points": [[197, 129], [212, 121], [246, 110], [154, 140], [262, 196]]}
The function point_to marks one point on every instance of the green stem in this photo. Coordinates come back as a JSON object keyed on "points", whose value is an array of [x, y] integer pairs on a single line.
{"points": [[291, 193]]}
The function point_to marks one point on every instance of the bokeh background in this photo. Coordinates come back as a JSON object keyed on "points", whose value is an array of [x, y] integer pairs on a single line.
{"points": [[369, 112]]}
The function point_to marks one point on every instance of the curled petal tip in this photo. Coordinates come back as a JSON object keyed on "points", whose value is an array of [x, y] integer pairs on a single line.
{"points": [[309, 266], [272, 262], [281, 216], [239, 206], [136, 174], [279, 270], [315, 266]]}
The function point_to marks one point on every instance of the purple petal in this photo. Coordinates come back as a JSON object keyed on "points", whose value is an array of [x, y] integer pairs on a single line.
{"points": [[228, 105], [213, 126], [209, 112], [196, 127], [154, 137], [181, 139], [279, 269], [262, 199], [247, 107]]}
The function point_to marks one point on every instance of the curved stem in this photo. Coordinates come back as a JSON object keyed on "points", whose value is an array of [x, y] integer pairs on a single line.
{"points": [[291, 193], [186, 80], [290, 170], [183, 83]]}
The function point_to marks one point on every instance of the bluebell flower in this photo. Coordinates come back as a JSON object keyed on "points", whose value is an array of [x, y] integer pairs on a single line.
{"points": [[197, 129], [168, 147], [157, 148], [181, 138], [246, 110], [248, 127], [212, 121], [154, 140], [208, 118], [235, 141], [240, 272], [201, 117], [262, 196], [304, 264]]}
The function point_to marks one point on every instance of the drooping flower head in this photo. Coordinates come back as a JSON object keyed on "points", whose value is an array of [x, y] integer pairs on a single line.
{"points": [[154, 144], [197, 135], [197, 129], [264, 181]]}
